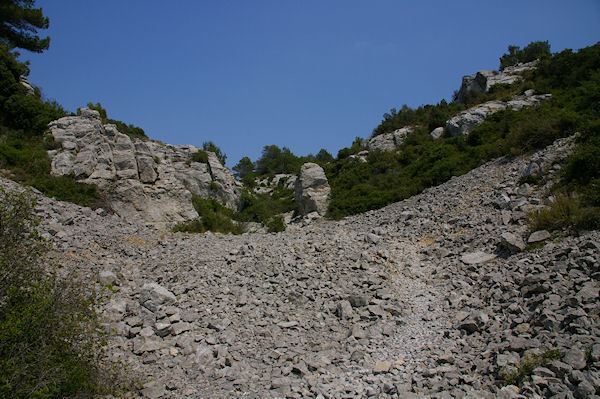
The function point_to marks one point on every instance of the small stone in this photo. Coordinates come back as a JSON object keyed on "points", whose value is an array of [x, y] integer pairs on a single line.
{"points": [[344, 310], [538, 236], [180, 327], [512, 242], [288, 324], [575, 358], [469, 325], [584, 390], [106, 278], [382, 367], [153, 390], [475, 258], [358, 300]]}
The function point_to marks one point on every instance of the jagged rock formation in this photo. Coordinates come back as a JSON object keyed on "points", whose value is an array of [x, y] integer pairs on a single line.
{"points": [[25, 83], [312, 190], [481, 81], [143, 179], [387, 141], [419, 299], [467, 120]]}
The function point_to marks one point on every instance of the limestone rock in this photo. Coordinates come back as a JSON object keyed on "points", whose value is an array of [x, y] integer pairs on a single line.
{"points": [[25, 83], [154, 295], [312, 190], [477, 257], [437, 132], [388, 141], [143, 180], [467, 120], [481, 81], [512, 242]]}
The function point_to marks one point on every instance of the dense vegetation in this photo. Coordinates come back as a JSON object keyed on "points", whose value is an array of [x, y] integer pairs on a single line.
{"points": [[275, 160], [420, 162], [50, 335], [533, 51], [255, 207]]}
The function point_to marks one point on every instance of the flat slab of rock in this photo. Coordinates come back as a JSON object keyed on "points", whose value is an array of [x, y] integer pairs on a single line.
{"points": [[538, 236], [382, 367], [477, 257]]}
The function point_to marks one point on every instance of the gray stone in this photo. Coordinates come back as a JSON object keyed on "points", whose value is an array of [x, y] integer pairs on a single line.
{"points": [[135, 185], [437, 132], [344, 310], [575, 358], [312, 190], [538, 236], [477, 257], [382, 367], [153, 295], [512, 242]]}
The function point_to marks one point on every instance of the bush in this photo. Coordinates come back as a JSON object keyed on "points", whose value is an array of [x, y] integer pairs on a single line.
{"points": [[200, 156], [210, 146], [572, 79], [275, 224], [565, 212], [212, 216], [533, 51], [49, 331], [522, 372]]}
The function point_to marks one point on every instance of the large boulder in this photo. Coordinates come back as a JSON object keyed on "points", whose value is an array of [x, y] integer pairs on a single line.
{"points": [[312, 190], [144, 180], [388, 141]]}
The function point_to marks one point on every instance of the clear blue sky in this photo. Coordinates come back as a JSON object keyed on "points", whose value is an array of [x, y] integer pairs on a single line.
{"points": [[305, 74]]}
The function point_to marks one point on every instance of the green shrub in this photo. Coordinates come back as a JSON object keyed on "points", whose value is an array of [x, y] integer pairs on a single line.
{"points": [[531, 52], [573, 79], [200, 156], [522, 372], [565, 212], [212, 216], [210, 146], [275, 224], [50, 334]]}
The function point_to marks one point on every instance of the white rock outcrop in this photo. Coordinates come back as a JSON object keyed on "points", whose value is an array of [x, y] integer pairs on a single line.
{"points": [[467, 120], [388, 141], [312, 190], [144, 180], [482, 81]]}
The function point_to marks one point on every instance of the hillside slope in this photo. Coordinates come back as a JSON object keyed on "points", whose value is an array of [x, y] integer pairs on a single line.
{"points": [[423, 298]]}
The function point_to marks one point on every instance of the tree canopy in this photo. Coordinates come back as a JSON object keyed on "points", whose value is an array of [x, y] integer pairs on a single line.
{"points": [[533, 51], [19, 23]]}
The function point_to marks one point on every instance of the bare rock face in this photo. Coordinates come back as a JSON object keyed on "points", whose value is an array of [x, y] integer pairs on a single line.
{"points": [[388, 141], [312, 190], [482, 80], [144, 180], [467, 120]]}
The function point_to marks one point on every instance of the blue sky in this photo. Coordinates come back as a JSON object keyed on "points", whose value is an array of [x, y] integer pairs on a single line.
{"points": [[303, 74]]}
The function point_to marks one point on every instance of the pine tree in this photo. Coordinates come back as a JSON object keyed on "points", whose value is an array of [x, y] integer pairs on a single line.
{"points": [[19, 23]]}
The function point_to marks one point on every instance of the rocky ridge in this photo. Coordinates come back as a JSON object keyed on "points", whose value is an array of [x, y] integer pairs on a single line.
{"points": [[467, 120], [482, 81], [145, 180], [429, 297]]}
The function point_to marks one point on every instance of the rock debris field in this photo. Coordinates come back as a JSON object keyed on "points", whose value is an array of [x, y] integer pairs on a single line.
{"points": [[429, 297]]}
